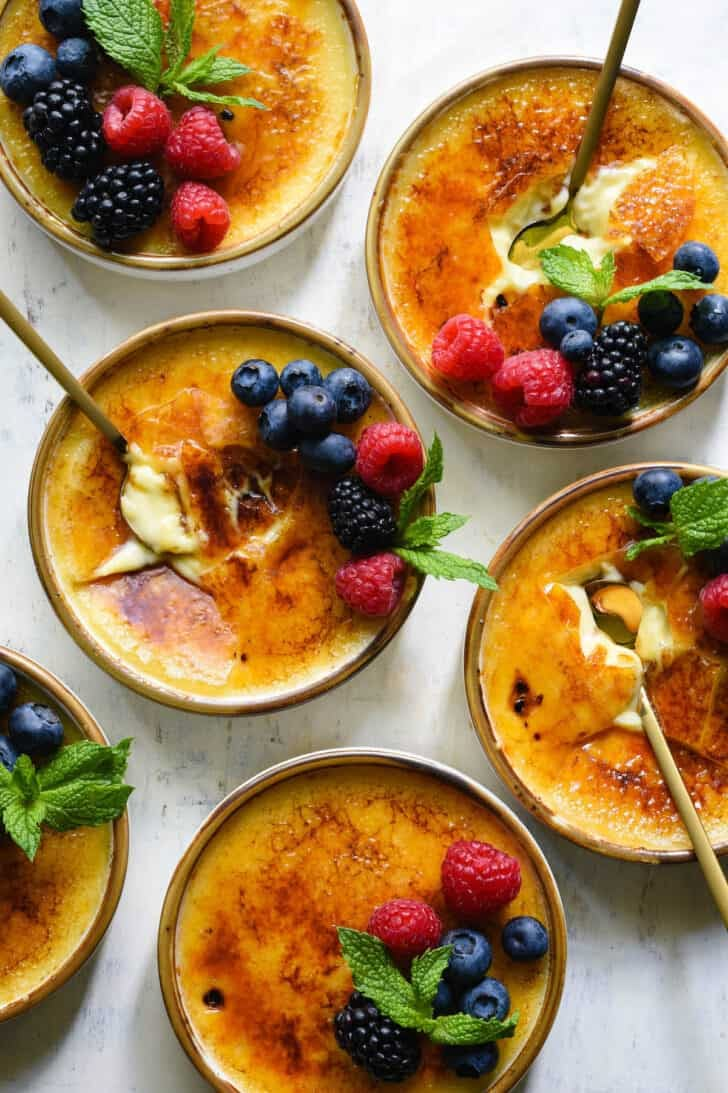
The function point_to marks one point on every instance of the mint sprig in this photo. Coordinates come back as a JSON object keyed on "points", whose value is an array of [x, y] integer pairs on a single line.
{"points": [[699, 520], [132, 33], [82, 786], [410, 1004]]}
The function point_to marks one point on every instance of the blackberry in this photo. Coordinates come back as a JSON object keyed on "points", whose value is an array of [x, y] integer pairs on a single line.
{"points": [[388, 1052], [67, 130], [610, 382], [120, 202], [362, 521]]}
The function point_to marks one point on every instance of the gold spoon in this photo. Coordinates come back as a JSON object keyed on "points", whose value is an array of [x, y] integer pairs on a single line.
{"points": [[532, 239], [617, 610]]}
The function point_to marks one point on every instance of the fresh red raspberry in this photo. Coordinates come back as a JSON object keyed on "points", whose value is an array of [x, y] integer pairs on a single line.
{"points": [[466, 348], [714, 602], [374, 585], [197, 147], [408, 927], [200, 217], [389, 458], [533, 388], [477, 878], [136, 123]]}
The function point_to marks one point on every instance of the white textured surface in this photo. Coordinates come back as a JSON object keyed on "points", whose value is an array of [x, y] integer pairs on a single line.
{"points": [[644, 1009]]}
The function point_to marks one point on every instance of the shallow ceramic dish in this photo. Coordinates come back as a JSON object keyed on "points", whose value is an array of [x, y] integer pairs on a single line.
{"points": [[420, 275], [35, 951], [602, 791], [347, 858]]}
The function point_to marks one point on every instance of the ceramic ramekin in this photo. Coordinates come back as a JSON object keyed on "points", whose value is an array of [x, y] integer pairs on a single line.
{"points": [[41, 549], [166, 941], [194, 267], [490, 421], [74, 709], [477, 622]]}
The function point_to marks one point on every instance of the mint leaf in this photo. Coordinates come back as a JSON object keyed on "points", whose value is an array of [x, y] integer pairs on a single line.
{"points": [[85, 760], [178, 35], [84, 804], [376, 976], [210, 68], [604, 275], [635, 549], [427, 531], [22, 820], [675, 280], [646, 521], [461, 1028], [25, 779], [700, 516], [208, 96], [131, 32], [448, 567], [573, 271], [427, 971], [226, 68], [431, 475]]}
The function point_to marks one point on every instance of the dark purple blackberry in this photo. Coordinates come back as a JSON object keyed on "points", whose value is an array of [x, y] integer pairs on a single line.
{"points": [[610, 383], [120, 202], [362, 521], [63, 123], [387, 1051]]}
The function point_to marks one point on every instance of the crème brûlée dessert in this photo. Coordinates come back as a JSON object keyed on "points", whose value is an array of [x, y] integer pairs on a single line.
{"points": [[495, 159], [252, 964], [238, 608], [560, 690]]}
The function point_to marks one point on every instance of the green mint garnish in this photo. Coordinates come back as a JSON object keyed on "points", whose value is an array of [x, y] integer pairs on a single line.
{"points": [[699, 520], [132, 33], [410, 1004], [80, 787]]}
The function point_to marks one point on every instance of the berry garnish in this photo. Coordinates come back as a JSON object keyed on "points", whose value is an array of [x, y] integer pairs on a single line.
{"points": [[300, 373], [136, 123], [62, 18], [389, 458], [408, 927], [8, 686], [660, 313], [332, 454], [610, 382], [385, 1050], [312, 410], [200, 217], [714, 602], [576, 346], [274, 427], [25, 71], [709, 319], [675, 362], [477, 879], [361, 521], [254, 382], [8, 753], [525, 938], [694, 517], [466, 348], [67, 130], [534, 388], [698, 259], [471, 1062], [34, 729], [120, 202], [487, 999], [373, 585], [653, 488], [470, 958], [197, 148], [350, 391], [565, 315], [77, 59]]}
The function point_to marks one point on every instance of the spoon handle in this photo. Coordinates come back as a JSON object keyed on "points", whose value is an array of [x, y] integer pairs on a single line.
{"points": [[40, 349], [714, 876], [603, 93]]}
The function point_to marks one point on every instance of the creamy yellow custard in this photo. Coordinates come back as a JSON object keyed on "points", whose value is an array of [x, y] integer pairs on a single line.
{"points": [[256, 922]]}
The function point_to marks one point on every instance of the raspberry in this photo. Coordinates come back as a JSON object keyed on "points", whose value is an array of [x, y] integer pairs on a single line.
{"points": [[467, 349], [374, 585], [714, 602], [477, 878], [136, 123], [197, 148], [406, 926], [389, 458], [533, 388], [200, 217]]}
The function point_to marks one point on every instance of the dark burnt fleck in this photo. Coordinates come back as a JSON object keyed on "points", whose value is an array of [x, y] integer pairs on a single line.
{"points": [[521, 687], [520, 705], [500, 301], [226, 115], [214, 999]]}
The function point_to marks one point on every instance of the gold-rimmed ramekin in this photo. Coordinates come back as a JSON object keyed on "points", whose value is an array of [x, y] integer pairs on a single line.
{"points": [[225, 260], [591, 431], [60, 696], [42, 552], [346, 757], [475, 650]]}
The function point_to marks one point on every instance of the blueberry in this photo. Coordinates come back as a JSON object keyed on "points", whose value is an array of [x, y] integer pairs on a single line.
{"points": [[660, 312], [34, 729], [76, 58], [254, 382], [26, 71], [275, 428], [488, 999], [525, 938], [716, 561], [297, 374], [350, 391], [577, 345], [8, 686], [332, 454], [444, 999], [709, 319], [63, 18], [653, 489], [312, 410], [470, 957], [675, 362], [697, 258], [8, 754], [564, 314], [471, 1062]]}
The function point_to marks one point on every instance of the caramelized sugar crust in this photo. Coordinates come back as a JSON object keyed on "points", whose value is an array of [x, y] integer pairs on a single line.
{"points": [[305, 73], [558, 740], [257, 957], [264, 615]]}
